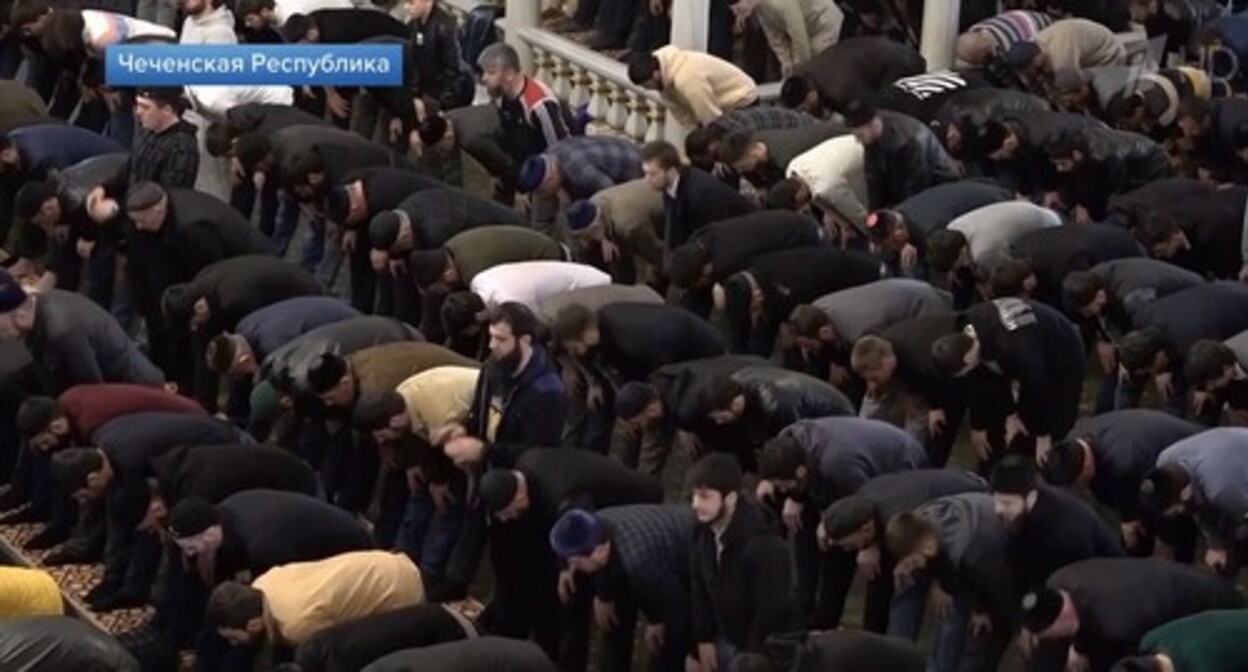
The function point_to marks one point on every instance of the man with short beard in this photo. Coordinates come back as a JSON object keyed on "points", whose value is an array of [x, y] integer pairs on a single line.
{"points": [[1049, 527], [741, 577]]}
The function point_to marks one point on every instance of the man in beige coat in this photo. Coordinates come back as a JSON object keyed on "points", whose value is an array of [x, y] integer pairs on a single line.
{"points": [[697, 87], [795, 29]]}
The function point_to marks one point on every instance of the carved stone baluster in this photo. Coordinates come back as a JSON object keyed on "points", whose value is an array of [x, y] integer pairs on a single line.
{"points": [[635, 126], [655, 115], [599, 99], [542, 64], [581, 83], [617, 118]]}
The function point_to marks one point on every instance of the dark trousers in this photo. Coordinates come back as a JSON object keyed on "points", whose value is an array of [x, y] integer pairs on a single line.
{"points": [[619, 643], [720, 38], [615, 21], [131, 557], [824, 580]]}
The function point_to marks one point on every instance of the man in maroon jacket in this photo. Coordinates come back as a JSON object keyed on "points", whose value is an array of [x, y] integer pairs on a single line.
{"points": [[47, 424]]}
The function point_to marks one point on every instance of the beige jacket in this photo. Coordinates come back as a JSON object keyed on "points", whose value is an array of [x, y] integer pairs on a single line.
{"points": [[303, 598], [627, 207], [699, 88], [1078, 44], [799, 29], [438, 397]]}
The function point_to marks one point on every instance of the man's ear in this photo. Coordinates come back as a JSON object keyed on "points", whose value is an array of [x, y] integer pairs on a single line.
{"points": [[201, 307]]}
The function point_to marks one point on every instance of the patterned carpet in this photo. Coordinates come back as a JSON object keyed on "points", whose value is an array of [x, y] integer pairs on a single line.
{"points": [[75, 580]]}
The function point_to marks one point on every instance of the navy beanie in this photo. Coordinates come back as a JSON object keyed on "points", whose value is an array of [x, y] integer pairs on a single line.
{"points": [[632, 399], [12, 295], [497, 489], [531, 174], [575, 534], [581, 214]]}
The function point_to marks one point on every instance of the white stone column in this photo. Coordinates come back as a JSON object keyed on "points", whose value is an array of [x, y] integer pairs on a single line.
{"points": [[522, 14], [690, 19], [940, 33], [690, 22]]}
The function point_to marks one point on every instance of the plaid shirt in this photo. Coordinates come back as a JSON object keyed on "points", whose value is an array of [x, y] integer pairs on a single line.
{"points": [[762, 118], [650, 560], [170, 158], [588, 165]]}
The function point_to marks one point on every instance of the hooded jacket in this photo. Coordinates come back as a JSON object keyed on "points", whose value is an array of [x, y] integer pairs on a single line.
{"points": [[699, 87], [528, 409]]}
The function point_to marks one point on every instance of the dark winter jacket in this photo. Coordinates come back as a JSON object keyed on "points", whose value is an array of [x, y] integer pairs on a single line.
{"points": [[650, 560], [437, 215], [344, 337], [274, 326], [638, 338], [972, 545], [484, 654], [859, 67], [61, 643], [741, 594], [1055, 252], [268, 528], [844, 453], [350, 646], [214, 473], [904, 161], [239, 286], [74, 341], [731, 244], [701, 200], [531, 409], [1114, 613]]}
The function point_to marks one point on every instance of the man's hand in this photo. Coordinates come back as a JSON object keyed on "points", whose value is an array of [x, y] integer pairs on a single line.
{"points": [[1081, 215], [338, 106], [909, 257], [610, 251], [1132, 534], [464, 450], [1043, 445], [1107, 353], [442, 496], [593, 399], [349, 239], [379, 259], [792, 515], [415, 479], [940, 601], [604, 615], [708, 657], [1200, 399], [837, 375], [869, 562], [567, 586], [1075, 662], [980, 624], [979, 441], [396, 130], [1215, 559], [936, 421], [764, 490], [1164, 383], [1051, 199], [655, 636], [1013, 428], [85, 247]]}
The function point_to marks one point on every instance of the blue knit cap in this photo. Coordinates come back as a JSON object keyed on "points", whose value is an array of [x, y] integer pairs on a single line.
{"points": [[575, 534], [581, 214], [531, 174]]}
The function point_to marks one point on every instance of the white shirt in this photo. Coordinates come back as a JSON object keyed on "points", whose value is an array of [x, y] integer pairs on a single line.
{"points": [[529, 282], [991, 229], [834, 172], [212, 102], [100, 29]]}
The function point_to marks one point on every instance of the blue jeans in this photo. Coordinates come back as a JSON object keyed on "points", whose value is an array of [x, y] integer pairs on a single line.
{"points": [[953, 649], [429, 536]]}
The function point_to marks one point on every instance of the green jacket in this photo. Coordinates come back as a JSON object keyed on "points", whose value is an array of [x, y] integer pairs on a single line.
{"points": [[483, 248], [1212, 641]]}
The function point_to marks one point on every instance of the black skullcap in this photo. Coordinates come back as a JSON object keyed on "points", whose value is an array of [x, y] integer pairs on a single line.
{"points": [[324, 372], [1015, 475], [632, 399], [575, 534], [432, 130], [1021, 55], [12, 295], [426, 266], [498, 488], [846, 515], [31, 197], [383, 231], [858, 112], [581, 214], [1040, 609], [192, 516], [167, 95], [459, 312], [143, 196], [375, 409], [1159, 491], [34, 415]]}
